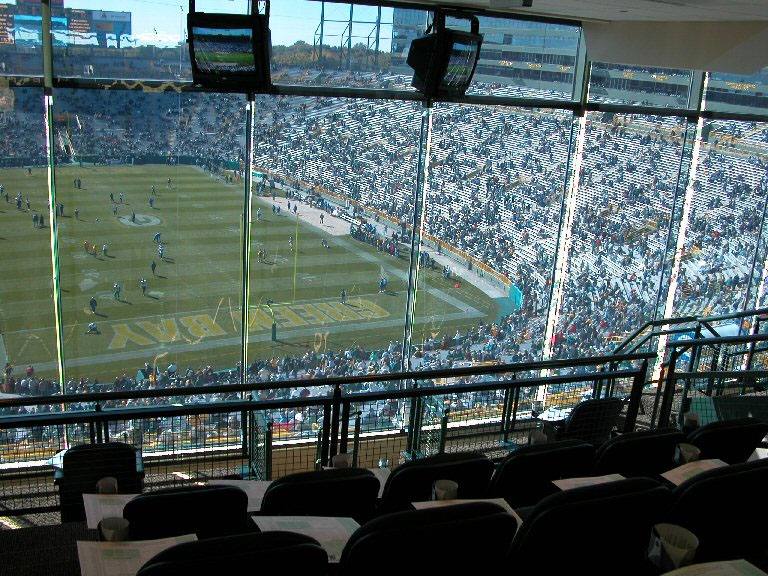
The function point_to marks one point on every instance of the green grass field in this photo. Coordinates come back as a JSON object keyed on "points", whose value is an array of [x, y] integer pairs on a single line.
{"points": [[226, 57], [191, 314]]}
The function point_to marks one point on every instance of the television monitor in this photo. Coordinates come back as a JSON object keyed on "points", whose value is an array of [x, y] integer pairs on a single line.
{"points": [[230, 52], [444, 62]]}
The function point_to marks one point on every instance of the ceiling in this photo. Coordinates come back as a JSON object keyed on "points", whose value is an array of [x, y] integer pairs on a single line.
{"points": [[626, 10]]}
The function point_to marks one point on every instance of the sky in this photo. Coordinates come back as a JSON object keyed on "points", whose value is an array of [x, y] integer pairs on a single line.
{"points": [[163, 22]]}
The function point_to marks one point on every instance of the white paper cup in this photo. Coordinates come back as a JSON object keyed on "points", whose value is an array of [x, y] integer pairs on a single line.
{"points": [[444, 490], [691, 419], [685, 453], [672, 546], [537, 437], [113, 529], [107, 485], [341, 461]]}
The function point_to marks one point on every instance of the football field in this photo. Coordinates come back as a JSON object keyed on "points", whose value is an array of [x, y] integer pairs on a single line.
{"points": [[191, 311]]}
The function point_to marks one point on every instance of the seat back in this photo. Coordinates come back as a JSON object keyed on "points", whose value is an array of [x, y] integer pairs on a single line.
{"points": [[342, 492], [640, 453], [207, 511], [271, 552], [525, 476], [459, 539], [412, 481], [592, 420], [715, 505], [731, 441], [85, 464], [602, 529]]}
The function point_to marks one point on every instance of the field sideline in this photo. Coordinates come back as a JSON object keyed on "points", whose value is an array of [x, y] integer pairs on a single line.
{"points": [[191, 313]]}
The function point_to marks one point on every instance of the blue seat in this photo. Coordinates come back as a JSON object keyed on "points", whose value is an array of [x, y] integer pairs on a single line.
{"points": [[269, 552], [342, 492], [458, 539], [717, 506], [412, 481], [525, 476], [732, 441], [207, 511], [639, 453], [601, 529], [82, 466]]}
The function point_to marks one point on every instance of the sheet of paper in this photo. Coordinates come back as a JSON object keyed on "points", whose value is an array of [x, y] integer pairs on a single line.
{"points": [[332, 533], [682, 473], [438, 503], [121, 558], [725, 568], [568, 483], [382, 474], [100, 506], [255, 490]]}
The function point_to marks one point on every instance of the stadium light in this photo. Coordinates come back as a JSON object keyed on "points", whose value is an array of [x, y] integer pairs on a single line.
{"points": [[230, 52], [444, 61]]}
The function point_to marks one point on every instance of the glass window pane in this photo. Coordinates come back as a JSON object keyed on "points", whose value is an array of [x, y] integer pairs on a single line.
{"points": [[492, 218], [150, 236], [28, 339], [640, 85], [623, 205], [523, 58], [21, 45], [141, 41], [344, 45], [727, 208], [334, 180], [738, 93]]}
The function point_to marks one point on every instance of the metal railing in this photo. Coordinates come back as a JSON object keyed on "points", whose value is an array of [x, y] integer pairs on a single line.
{"points": [[711, 367], [482, 407]]}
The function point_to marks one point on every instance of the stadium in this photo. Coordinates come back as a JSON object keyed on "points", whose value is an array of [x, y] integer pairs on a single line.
{"points": [[159, 240]]}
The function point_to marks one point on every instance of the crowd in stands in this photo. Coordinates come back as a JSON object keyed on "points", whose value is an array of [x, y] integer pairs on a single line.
{"points": [[497, 191]]}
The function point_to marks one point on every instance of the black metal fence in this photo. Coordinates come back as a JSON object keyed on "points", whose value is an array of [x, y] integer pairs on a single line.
{"points": [[191, 435]]}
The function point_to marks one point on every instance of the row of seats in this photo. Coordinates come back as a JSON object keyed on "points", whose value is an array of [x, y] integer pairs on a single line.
{"points": [[522, 478], [601, 529]]}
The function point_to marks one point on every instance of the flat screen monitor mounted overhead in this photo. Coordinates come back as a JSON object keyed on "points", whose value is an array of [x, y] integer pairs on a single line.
{"points": [[444, 60], [230, 52]]}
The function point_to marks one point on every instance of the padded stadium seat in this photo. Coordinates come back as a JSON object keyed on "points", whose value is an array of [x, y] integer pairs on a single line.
{"points": [[731, 441], [726, 509], [525, 476], [342, 492], [85, 464], [591, 421], [412, 481], [269, 552], [207, 511], [601, 529], [641, 453], [459, 539]]}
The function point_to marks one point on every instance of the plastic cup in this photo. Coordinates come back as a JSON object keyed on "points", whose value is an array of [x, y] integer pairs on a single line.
{"points": [[444, 490], [113, 529]]}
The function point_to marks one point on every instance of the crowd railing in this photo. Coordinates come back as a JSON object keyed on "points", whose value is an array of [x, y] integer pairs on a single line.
{"points": [[267, 430], [710, 376]]}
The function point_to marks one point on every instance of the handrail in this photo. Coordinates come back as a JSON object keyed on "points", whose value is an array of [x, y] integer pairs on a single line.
{"points": [[747, 338], [146, 412], [736, 374], [648, 336], [683, 320], [648, 323], [732, 315], [334, 381]]}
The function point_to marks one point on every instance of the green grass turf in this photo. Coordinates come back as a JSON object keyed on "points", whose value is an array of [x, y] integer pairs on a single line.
{"points": [[191, 313], [227, 57]]}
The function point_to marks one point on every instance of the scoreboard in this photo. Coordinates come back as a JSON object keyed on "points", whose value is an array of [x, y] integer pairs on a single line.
{"points": [[79, 22], [21, 23], [6, 23]]}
